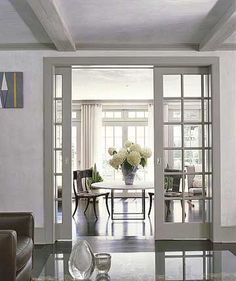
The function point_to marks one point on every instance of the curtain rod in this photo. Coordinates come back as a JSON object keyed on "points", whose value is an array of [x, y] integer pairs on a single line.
{"points": [[149, 101], [115, 67]]}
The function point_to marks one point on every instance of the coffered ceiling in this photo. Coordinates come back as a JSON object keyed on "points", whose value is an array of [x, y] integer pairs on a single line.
{"points": [[68, 25]]}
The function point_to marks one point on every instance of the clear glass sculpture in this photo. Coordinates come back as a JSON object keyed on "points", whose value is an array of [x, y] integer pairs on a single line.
{"points": [[81, 261]]}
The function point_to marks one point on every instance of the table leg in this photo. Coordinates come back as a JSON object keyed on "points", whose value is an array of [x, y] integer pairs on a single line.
{"points": [[143, 203], [112, 204]]}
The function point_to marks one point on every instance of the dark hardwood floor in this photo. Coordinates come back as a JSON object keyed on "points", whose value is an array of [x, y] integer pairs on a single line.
{"points": [[88, 225]]}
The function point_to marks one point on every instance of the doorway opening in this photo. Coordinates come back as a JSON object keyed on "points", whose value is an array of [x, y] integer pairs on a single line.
{"points": [[110, 106], [182, 115]]}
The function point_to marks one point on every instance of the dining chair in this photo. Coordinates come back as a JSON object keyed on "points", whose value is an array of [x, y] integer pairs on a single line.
{"points": [[194, 187], [82, 191], [171, 187]]}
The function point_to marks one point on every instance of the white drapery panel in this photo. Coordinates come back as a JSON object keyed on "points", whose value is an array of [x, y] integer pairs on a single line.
{"points": [[151, 141], [91, 135], [150, 127]]}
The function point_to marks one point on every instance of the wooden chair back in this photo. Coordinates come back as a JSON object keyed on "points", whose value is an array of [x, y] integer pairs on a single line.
{"points": [[80, 180]]}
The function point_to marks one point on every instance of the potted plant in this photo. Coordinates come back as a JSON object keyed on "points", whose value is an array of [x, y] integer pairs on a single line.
{"points": [[96, 177]]}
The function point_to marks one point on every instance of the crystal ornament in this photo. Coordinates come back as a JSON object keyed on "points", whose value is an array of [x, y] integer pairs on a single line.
{"points": [[81, 261]]}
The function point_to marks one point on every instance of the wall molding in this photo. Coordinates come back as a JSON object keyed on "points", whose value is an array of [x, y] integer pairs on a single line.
{"points": [[25, 46], [115, 47]]}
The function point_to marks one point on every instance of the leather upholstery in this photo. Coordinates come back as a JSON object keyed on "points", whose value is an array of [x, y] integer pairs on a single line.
{"points": [[25, 273], [16, 246], [7, 255], [23, 251]]}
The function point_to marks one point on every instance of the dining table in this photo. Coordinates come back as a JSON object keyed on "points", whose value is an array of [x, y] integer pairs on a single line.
{"points": [[114, 186]]}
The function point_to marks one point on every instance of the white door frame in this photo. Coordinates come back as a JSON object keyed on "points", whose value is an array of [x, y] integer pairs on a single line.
{"points": [[218, 232]]}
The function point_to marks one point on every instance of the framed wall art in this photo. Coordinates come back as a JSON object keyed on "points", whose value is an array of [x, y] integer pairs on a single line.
{"points": [[11, 89]]}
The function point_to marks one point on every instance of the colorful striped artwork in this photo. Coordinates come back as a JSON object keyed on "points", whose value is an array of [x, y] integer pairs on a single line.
{"points": [[11, 89]]}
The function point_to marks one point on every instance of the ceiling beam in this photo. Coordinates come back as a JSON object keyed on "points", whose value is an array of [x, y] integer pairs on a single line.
{"points": [[51, 20], [221, 31]]}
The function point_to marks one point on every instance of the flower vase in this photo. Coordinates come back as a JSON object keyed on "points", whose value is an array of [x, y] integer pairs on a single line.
{"points": [[129, 174]]}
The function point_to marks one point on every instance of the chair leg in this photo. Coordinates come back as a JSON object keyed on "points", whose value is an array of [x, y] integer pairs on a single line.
{"points": [[88, 199], [94, 207], [107, 205], [76, 205], [168, 206], [150, 204], [190, 203]]}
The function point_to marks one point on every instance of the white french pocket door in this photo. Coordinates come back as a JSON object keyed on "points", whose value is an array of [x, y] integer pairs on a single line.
{"points": [[183, 153], [62, 153]]}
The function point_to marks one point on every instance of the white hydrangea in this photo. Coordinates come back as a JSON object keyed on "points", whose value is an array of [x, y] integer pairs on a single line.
{"points": [[113, 164], [116, 160], [134, 158], [146, 152], [123, 153], [112, 150], [128, 143], [135, 147], [133, 153]]}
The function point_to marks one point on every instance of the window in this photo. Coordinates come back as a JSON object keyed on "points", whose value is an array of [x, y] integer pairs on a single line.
{"points": [[119, 126]]}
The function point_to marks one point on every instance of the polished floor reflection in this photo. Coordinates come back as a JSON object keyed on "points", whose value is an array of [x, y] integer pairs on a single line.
{"points": [[142, 259], [194, 211], [87, 225]]}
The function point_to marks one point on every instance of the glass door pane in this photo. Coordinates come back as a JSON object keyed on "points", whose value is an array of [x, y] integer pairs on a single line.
{"points": [[57, 113], [183, 103], [62, 152]]}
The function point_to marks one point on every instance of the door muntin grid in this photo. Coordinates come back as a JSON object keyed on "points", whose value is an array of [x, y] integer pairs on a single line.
{"points": [[57, 147], [187, 142]]}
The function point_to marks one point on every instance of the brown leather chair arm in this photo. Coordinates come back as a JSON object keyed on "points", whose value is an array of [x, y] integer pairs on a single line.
{"points": [[8, 241], [22, 223]]}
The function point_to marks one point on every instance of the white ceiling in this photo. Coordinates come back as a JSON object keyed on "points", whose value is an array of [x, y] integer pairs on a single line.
{"points": [[116, 24], [231, 39], [136, 21], [12, 28], [117, 83]]}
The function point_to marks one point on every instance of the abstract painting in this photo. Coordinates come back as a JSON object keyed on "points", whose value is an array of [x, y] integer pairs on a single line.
{"points": [[11, 89]]}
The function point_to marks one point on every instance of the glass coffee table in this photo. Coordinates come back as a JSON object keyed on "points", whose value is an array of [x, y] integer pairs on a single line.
{"points": [[147, 266]]}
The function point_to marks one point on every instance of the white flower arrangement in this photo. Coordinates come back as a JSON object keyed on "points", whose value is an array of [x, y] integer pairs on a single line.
{"points": [[131, 155]]}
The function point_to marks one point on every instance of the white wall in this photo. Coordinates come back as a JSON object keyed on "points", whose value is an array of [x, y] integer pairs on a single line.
{"points": [[21, 138], [228, 138]]}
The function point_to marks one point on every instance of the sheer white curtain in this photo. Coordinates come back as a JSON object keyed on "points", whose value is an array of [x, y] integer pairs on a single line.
{"points": [[151, 140], [91, 135], [150, 127]]}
